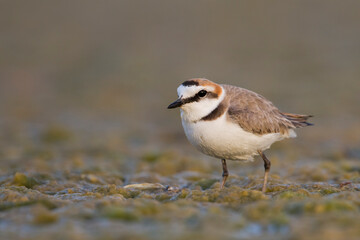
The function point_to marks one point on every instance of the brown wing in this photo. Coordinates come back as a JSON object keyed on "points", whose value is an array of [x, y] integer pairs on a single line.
{"points": [[254, 113]]}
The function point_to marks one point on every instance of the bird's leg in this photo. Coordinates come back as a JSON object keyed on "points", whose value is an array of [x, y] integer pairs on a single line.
{"points": [[225, 172], [267, 165]]}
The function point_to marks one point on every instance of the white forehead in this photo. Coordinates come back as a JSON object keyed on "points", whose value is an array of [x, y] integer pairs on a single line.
{"points": [[190, 91]]}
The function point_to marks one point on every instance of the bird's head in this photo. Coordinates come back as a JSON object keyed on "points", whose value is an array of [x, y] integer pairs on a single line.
{"points": [[198, 97]]}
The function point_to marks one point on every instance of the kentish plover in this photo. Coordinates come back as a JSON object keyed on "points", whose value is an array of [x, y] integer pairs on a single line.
{"points": [[232, 123]]}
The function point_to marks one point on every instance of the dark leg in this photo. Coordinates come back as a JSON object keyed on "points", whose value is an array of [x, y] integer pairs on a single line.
{"points": [[267, 165], [225, 172]]}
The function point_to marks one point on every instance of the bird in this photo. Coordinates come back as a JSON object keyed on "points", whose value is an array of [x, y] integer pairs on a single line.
{"points": [[232, 123]]}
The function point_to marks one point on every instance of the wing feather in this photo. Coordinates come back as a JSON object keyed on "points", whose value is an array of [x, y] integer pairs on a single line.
{"points": [[254, 113]]}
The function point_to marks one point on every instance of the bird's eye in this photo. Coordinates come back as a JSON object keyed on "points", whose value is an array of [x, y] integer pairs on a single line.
{"points": [[202, 93]]}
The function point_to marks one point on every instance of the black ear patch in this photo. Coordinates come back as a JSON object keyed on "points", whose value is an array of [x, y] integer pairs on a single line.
{"points": [[190, 83]]}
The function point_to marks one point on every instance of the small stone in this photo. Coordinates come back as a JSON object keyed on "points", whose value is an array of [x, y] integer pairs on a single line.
{"points": [[145, 186]]}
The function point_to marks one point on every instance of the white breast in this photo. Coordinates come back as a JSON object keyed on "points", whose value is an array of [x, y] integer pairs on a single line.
{"points": [[223, 139]]}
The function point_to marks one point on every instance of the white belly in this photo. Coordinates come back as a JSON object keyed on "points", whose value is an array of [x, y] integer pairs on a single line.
{"points": [[223, 139]]}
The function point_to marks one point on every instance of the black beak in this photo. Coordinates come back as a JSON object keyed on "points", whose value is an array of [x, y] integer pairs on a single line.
{"points": [[177, 103]]}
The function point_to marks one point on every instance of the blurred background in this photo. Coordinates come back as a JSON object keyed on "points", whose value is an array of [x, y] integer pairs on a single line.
{"points": [[94, 78], [95, 65]]}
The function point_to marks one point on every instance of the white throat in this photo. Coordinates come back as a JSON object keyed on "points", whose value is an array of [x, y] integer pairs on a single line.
{"points": [[193, 112]]}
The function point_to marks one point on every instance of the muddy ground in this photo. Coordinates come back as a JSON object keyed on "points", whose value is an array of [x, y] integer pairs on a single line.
{"points": [[53, 186]]}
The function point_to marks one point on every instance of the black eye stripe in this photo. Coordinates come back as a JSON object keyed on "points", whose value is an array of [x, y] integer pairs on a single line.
{"points": [[197, 98]]}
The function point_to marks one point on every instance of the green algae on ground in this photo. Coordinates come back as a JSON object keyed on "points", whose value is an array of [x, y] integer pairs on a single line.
{"points": [[206, 183], [267, 212], [320, 207], [151, 157], [329, 190], [21, 179], [44, 216], [331, 205], [148, 208], [184, 193], [120, 213], [92, 188], [294, 194], [227, 195], [112, 189]]}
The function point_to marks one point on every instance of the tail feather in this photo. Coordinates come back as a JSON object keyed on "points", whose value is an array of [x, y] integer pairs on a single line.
{"points": [[298, 120]]}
